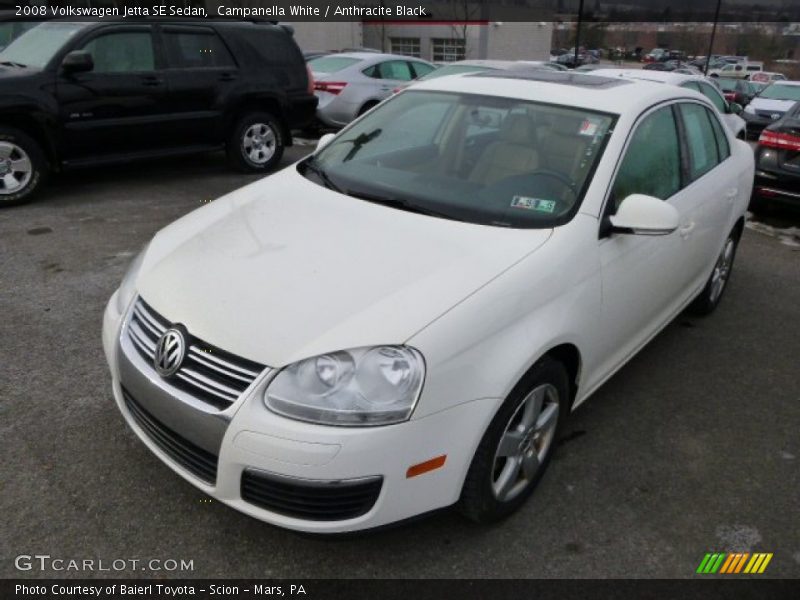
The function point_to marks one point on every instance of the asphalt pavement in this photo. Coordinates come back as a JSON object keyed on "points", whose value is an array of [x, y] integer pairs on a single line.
{"points": [[693, 447]]}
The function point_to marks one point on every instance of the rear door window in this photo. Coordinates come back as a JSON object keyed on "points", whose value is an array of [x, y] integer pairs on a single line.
{"points": [[723, 147], [397, 70], [421, 69], [700, 139], [196, 48]]}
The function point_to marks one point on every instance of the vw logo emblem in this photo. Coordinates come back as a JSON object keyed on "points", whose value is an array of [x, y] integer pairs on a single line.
{"points": [[775, 116], [170, 351]]}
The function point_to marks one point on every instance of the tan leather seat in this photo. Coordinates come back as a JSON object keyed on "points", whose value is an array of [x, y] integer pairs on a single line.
{"points": [[514, 153], [565, 148]]}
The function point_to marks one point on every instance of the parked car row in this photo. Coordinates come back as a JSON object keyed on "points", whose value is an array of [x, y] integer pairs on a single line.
{"points": [[78, 94], [729, 112]]}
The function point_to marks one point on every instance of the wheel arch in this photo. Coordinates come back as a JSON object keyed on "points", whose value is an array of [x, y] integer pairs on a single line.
{"points": [[29, 125], [738, 228]]}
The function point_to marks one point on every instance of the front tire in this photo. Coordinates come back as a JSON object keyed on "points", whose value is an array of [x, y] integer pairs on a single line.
{"points": [[518, 445], [23, 167], [717, 283], [256, 143]]}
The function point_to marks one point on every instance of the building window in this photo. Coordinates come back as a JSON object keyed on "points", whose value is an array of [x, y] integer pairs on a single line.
{"points": [[448, 50], [405, 46]]}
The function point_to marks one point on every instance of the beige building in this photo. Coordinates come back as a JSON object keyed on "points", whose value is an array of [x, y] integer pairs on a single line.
{"points": [[435, 41]]}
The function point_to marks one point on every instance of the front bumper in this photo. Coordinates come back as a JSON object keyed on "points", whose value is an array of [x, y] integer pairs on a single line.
{"points": [[246, 438]]}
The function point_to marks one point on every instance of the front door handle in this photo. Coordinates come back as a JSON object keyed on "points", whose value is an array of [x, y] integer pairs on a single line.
{"points": [[731, 194], [151, 80], [686, 230]]}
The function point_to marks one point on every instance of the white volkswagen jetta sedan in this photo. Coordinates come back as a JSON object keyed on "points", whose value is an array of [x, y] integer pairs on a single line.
{"points": [[404, 320]]}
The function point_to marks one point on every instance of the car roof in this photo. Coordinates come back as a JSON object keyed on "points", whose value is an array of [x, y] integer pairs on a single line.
{"points": [[583, 90], [498, 64], [642, 74], [376, 56], [788, 83]]}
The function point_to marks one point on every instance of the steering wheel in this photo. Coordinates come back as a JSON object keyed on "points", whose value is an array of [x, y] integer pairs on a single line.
{"points": [[562, 178]]}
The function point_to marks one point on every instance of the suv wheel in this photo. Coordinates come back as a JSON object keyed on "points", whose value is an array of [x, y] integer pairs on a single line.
{"points": [[22, 167], [256, 143], [518, 445]]}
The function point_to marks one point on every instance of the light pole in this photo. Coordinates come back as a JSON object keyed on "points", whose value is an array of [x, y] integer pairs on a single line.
{"points": [[578, 33], [713, 34]]}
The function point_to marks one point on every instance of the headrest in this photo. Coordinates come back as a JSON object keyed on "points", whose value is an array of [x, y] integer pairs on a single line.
{"points": [[518, 129]]}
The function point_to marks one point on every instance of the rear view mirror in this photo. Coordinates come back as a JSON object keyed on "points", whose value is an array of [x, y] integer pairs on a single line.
{"points": [[325, 140], [645, 215], [77, 61]]}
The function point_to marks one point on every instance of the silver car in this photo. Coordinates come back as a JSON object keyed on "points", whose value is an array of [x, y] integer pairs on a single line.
{"points": [[350, 83]]}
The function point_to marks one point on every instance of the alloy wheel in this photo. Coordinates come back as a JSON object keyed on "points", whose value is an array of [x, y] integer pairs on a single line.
{"points": [[527, 439], [258, 143], [722, 270], [16, 168]]}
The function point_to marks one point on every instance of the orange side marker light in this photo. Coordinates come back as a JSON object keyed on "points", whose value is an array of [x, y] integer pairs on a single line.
{"points": [[425, 467]]}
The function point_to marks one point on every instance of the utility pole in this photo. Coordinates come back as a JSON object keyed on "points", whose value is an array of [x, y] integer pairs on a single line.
{"points": [[578, 33], [713, 34]]}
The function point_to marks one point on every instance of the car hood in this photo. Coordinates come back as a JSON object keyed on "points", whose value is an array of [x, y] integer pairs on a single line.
{"points": [[769, 104], [284, 269]]}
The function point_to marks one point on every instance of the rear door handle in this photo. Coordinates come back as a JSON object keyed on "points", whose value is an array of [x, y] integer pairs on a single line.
{"points": [[686, 230], [227, 77]]}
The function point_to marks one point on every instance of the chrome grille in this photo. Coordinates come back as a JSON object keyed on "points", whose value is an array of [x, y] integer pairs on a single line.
{"points": [[208, 373]]}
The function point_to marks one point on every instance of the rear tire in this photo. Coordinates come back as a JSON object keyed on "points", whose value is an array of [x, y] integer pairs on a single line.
{"points": [[367, 107], [23, 167], [717, 283], [256, 143], [518, 445]]}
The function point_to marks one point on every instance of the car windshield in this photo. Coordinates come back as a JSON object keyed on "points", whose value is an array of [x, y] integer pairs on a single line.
{"points": [[781, 92], [11, 30], [331, 64], [455, 70], [481, 159], [727, 85], [38, 45]]}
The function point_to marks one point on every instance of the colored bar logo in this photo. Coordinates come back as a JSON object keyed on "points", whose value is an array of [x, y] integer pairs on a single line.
{"points": [[733, 563]]}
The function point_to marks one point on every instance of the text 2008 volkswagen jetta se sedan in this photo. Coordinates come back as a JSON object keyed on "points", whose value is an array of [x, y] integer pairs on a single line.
{"points": [[404, 320]]}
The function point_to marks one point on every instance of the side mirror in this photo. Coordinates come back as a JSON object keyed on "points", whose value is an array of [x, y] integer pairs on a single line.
{"points": [[77, 61], [645, 215], [325, 140], [735, 107]]}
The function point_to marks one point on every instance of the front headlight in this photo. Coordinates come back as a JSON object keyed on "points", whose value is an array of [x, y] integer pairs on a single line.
{"points": [[365, 386], [127, 289]]}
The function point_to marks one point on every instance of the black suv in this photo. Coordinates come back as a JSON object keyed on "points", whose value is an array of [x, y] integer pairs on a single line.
{"points": [[78, 94]]}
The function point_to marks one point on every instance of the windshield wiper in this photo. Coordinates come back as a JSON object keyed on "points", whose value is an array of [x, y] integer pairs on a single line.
{"points": [[312, 166], [360, 141], [8, 63], [401, 204]]}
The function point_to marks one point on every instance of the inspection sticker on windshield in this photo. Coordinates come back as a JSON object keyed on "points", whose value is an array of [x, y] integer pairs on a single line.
{"points": [[588, 128], [528, 203]]}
